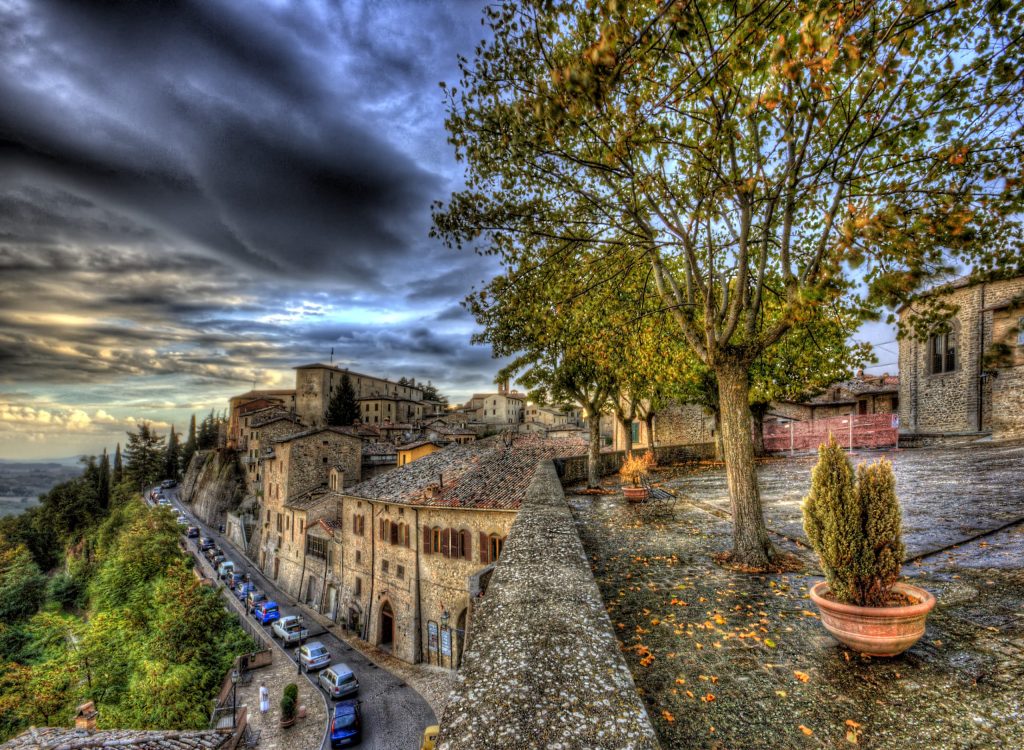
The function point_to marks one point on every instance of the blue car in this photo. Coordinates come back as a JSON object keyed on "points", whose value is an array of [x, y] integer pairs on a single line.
{"points": [[346, 724], [266, 612]]}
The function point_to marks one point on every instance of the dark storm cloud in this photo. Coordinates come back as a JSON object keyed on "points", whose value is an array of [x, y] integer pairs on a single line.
{"points": [[241, 132]]}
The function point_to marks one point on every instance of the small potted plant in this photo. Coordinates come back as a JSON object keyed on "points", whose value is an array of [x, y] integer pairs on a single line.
{"points": [[633, 470], [288, 704], [853, 523]]}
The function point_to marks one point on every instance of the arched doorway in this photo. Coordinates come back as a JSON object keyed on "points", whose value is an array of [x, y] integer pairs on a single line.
{"points": [[387, 626], [460, 637]]}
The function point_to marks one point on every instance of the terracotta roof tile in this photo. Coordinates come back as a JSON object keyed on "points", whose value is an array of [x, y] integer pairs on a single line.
{"points": [[62, 738]]}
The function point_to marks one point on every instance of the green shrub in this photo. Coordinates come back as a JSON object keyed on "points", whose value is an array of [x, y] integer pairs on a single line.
{"points": [[854, 526], [288, 701]]}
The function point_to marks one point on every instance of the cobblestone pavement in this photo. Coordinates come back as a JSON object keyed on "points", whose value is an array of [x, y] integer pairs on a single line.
{"points": [[394, 713], [307, 733], [947, 494], [726, 660]]}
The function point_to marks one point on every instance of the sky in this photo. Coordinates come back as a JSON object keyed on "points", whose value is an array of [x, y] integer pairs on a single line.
{"points": [[196, 197]]}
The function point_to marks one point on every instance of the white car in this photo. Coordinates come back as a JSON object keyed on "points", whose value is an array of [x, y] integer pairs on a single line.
{"points": [[314, 656], [289, 629]]}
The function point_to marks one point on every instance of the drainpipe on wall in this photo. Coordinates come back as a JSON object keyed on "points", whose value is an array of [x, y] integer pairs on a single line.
{"points": [[373, 571], [418, 619]]}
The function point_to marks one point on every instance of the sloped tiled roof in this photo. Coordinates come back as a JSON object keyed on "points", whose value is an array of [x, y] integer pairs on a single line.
{"points": [[417, 444], [465, 476], [378, 449], [63, 738], [276, 417], [307, 500]]}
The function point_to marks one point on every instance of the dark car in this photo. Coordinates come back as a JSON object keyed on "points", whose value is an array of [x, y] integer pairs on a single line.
{"points": [[346, 724], [168, 483], [254, 597], [242, 590], [235, 580], [206, 543], [193, 532]]}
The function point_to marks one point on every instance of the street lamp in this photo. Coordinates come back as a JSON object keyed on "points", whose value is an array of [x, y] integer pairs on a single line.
{"points": [[234, 688]]}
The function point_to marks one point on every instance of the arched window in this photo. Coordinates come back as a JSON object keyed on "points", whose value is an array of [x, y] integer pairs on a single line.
{"points": [[435, 539], [942, 354]]}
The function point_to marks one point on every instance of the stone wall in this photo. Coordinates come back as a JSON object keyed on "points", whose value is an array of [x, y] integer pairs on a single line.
{"points": [[961, 401], [1008, 404], [213, 485], [544, 668]]}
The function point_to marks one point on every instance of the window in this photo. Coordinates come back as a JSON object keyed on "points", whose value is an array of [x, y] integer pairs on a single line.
{"points": [[496, 544], [359, 586], [279, 529], [394, 530], [1020, 331], [435, 539], [400, 571], [359, 557], [358, 524], [942, 352], [316, 547], [634, 436], [384, 565]]}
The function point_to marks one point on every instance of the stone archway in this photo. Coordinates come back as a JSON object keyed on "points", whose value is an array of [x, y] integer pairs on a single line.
{"points": [[387, 626]]}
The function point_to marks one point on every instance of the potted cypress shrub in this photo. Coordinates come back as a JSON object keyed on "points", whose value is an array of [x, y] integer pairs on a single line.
{"points": [[288, 703], [853, 523], [633, 470]]}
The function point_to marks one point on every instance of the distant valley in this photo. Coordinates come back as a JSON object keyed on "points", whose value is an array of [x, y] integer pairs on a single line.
{"points": [[22, 482]]}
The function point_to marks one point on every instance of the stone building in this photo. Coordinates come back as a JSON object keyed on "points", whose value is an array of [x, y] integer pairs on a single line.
{"points": [[252, 402], [260, 430], [296, 466], [379, 408], [545, 415], [967, 380], [315, 383], [399, 558], [676, 424], [863, 394], [502, 408]]}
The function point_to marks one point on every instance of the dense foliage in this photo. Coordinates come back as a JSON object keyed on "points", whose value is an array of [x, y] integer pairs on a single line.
{"points": [[761, 161], [121, 620], [343, 409], [854, 526]]}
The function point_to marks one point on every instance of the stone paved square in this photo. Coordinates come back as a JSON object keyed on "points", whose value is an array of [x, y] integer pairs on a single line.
{"points": [[727, 660]]}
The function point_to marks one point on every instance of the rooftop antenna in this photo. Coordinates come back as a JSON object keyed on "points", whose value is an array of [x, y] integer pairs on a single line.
{"points": [[332, 355]]}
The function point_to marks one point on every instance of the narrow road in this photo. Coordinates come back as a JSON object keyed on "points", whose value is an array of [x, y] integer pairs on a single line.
{"points": [[394, 715]]}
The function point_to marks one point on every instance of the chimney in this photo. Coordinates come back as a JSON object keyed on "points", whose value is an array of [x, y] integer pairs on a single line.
{"points": [[860, 374], [85, 718]]}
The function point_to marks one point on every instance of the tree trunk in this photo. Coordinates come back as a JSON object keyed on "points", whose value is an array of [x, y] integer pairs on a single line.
{"points": [[650, 430], [594, 451], [757, 412], [719, 447], [751, 546], [627, 430]]}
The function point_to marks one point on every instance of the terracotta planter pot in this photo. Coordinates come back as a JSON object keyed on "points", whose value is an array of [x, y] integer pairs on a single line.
{"points": [[287, 722], [875, 631], [635, 494]]}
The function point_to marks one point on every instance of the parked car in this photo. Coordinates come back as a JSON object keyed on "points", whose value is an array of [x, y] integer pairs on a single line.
{"points": [[182, 521], [346, 724], [289, 629], [235, 580], [193, 532], [225, 569], [242, 591], [266, 612], [314, 656], [430, 737], [168, 483], [338, 680], [163, 501], [253, 598], [206, 543]]}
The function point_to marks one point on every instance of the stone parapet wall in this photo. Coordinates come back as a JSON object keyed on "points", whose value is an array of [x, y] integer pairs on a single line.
{"points": [[543, 668]]}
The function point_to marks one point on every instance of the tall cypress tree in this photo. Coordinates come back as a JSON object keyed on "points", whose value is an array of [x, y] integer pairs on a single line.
{"points": [[103, 480], [144, 456], [171, 467], [118, 475], [191, 443], [343, 409]]}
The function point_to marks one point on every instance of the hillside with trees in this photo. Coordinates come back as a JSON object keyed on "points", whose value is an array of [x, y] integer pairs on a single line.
{"points": [[98, 602]]}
